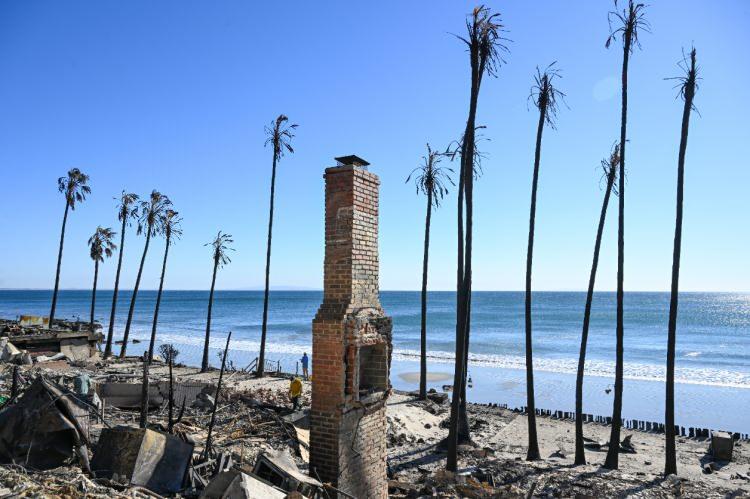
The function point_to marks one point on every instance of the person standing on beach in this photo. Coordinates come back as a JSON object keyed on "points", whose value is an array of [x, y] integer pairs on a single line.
{"points": [[305, 361], [295, 392]]}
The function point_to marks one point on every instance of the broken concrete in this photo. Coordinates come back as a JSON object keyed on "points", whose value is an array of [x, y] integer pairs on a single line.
{"points": [[234, 484], [722, 445], [137, 456]]}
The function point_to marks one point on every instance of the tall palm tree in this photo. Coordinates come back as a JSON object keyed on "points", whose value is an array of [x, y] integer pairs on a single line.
{"points": [[430, 180], [220, 246], [279, 134], [101, 246], [687, 85], [545, 97], [170, 225], [150, 222], [627, 24], [74, 187], [127, 210], [609, 166], [484, 44]]}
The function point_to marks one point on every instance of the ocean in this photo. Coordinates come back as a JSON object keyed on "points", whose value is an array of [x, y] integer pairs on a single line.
{"points": [[713, 342]]}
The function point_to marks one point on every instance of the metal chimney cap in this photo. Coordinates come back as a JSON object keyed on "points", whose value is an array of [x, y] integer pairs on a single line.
{"points": [[351, 160]]}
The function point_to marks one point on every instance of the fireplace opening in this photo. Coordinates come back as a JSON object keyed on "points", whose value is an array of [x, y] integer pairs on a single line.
{"points": [[373, 369]]}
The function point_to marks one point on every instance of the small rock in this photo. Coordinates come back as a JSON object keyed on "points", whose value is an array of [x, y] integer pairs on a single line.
{"points": [[427, 426], [709, 468]]}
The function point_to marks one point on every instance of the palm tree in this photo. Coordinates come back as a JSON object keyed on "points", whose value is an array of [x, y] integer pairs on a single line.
{"points": [[628, 23], [484, 45], [75, 188], [687, 85], [170, 226], [609, 166], [545, 96], [101, 246], [127, 210], [279, 134], [429, 180], [220, 246], [150, 222]]}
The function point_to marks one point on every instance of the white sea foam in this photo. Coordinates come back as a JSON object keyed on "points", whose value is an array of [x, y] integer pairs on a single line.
{"points": [[632, 370]]}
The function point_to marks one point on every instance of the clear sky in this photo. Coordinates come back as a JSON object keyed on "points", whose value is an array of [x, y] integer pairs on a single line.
{"points": [[174, 95]]}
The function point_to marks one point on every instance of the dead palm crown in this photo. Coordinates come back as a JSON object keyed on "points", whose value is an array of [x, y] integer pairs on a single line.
{"points": [[74, 186], [101, 244], [220, 246], [431, 179], [278, 134]]}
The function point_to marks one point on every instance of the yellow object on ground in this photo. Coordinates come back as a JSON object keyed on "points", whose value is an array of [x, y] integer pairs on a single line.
{"points": [[295, 387]]}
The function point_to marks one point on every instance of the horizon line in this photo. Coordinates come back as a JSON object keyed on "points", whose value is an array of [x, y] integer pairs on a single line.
{"points": [[320, 290]]}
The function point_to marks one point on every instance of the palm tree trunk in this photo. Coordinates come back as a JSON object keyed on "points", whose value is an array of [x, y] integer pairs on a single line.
{"points": [[93, 294], [111, 330], [59, 263], [580, 453], [158, 303], [612, 460], [423, 332], [533, 451], [463, 284], [262, 353], [452, 459], [464, 434], [204, 363], [670, 462], [125, 336]]}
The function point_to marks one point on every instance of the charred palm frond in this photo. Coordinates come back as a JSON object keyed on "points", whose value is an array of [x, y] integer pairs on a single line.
{"points": [[545, 95], [101, 244], [279, 134], [610, 167], [170, 225], [627, 23], [220, 246], [74, 186], [485, 41], [687, 80], [127, 208], [152, 213], [431, 179]]}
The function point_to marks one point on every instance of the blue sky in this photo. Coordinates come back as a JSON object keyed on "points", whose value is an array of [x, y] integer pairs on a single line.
{"points": [[174, 95]]}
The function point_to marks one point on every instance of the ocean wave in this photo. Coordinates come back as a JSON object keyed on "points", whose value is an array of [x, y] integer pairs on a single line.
{"points": [[632, 371]]}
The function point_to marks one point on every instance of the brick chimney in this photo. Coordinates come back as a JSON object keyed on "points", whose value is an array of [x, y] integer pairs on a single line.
{"points": [[351, 340]]}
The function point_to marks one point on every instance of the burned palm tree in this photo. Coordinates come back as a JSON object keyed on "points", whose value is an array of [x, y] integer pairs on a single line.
{"points": [[624, 25], [545, 97], [430, 180], [127, 211], [170, 226], [220, 246], [100, 246], [484, 43], [74, 186], [150, 221], [687, 85], [279, 134], [609, 167]]}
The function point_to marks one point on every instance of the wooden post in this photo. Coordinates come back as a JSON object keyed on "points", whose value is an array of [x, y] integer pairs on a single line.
{"points": [[144, 392], [207, 449], [14, 385], [170, 420]]}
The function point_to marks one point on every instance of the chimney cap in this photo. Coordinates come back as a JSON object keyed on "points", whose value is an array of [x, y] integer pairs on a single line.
{"points": [[351, 160]]}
